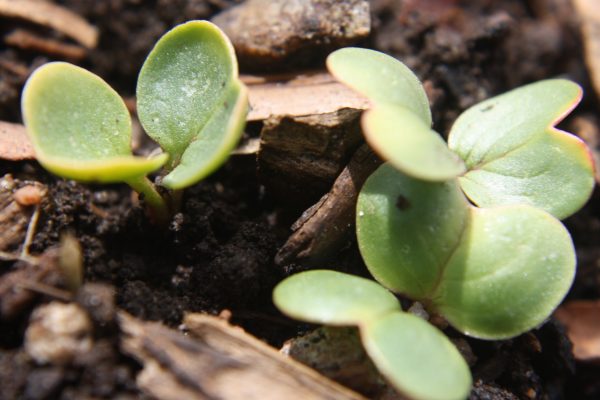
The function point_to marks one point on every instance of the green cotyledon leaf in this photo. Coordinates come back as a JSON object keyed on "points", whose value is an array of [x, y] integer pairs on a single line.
{"points": [[380, 78], [491, 272], [513, 267], [191, 101], [515, 155], [80, 127], [333, 298], [416, 357], [398, 126], [406, 142], [407, 229]]}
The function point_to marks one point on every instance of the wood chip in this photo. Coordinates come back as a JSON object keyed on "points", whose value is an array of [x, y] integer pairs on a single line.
{"points": [[53, 16], [312, 93], [589, 13], [15, 68], [28, 41], [270, 34], [582, 319], [218, 361], [15, 298], [14, 142], [328, 226], [300, 157]]}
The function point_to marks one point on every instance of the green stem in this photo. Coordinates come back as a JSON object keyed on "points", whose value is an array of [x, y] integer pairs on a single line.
{"points": [[158, 205]]}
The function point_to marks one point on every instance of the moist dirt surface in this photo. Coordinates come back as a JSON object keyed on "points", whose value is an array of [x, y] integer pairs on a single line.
{"points": [[218, 252]]}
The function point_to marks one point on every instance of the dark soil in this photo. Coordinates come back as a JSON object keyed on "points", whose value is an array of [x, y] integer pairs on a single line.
{"points": [[217, 253]]}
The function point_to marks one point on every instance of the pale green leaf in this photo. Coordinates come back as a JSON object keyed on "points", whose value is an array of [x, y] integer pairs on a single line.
{"points": [[514, 155], [218, 138], [191, 101], [80, 127], [406, 142], [380, 78], [416, 358], [333, 298], [513, 267], [407, 229], [492, 272]]}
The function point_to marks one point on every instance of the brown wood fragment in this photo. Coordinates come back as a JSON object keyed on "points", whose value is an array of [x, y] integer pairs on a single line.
{"points": [[589, 14], [218, 361], [15, 68], [52, 16], [28, 41], [271, 34], [300, 157], [14, 142], [18, 288], [582, 319], [328, 225], [295, 95]]}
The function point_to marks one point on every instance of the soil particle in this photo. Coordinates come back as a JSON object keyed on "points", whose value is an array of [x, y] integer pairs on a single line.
{"points": [[482, 391], [58, 333]]}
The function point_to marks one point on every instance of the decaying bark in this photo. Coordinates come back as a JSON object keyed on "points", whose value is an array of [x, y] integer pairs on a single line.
{"points": [[300, 157], [303, 94], [14, 142], [218, 361], [275, 34], [325, 227], [53, 16]]}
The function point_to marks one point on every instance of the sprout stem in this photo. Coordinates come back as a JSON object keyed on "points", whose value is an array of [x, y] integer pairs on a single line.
{"points": [[157, 204]]}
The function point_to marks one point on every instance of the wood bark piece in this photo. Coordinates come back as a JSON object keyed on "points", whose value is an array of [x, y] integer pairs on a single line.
{"points": [[589, 14], [52, 16], [28, 41], [582, 319], [218, 361], [328, 225], [295, 95], [300, 157], [15, 296], [14, 142], [269, 33]]}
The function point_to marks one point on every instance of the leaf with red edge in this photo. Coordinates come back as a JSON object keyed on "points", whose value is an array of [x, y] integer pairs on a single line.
{"points": [[516, 155]]}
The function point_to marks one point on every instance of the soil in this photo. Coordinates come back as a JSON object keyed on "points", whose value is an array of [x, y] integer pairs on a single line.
{"points": [[218, 251]]}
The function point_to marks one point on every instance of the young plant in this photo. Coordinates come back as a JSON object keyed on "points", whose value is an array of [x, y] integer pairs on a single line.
{"points": [[492, 272], [190, 101], [504, 150], [412, 354]]}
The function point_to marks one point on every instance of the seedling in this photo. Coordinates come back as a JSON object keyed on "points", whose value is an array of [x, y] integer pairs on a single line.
{"points": [[492, 272], [504, 150], [190, 101], [414, 355]]}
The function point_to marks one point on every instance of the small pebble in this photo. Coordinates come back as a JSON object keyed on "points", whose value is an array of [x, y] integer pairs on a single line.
{"points": [[29, 195], [57, 333]]}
